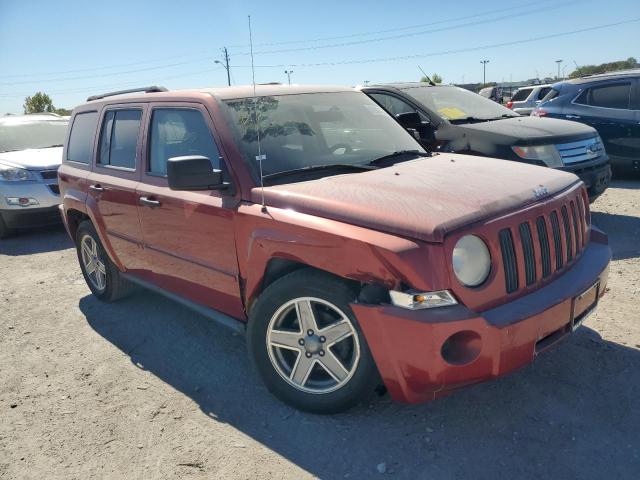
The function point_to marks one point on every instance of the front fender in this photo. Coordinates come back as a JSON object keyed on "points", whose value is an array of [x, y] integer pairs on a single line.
{"points": [[348, 251]]}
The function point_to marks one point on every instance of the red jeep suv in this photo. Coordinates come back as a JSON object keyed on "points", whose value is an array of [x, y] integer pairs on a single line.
{"points": [[351, 255]]}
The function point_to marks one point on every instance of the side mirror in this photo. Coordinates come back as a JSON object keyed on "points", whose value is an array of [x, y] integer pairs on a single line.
{"points": [[193, 172], [409, 120]]}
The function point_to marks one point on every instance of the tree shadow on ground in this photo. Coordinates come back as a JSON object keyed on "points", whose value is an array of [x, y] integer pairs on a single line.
{"points": [[571, 414]]}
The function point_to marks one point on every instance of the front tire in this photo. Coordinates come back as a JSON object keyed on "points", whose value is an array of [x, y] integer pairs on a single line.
{"points": [[306, 343], [102, 276]]}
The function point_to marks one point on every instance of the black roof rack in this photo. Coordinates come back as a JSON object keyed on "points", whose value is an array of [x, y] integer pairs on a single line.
{"points": [[152, 89]]}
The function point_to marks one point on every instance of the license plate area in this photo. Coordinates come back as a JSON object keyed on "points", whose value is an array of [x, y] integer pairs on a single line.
{"points": [[584, 304]]}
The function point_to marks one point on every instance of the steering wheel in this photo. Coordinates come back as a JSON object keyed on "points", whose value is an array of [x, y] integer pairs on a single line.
{"points": [[337, 146]]}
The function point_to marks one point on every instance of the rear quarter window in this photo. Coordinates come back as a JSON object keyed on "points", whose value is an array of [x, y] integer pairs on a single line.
{"points": [[543, 92], [521, 95], [553, 93], [80, 146]]}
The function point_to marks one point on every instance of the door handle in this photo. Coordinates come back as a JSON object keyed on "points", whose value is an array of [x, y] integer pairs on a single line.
{"points": [[96, 188], [572, 116], [147, 202]]}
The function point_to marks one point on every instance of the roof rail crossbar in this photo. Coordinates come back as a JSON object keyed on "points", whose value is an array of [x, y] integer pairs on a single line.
{"points": [[151, 89]]}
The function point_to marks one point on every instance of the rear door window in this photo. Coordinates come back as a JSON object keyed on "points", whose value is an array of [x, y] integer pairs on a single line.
{"points": [[606, 96], [178, 132], [521, 95], [80, 147], [119, 138]]}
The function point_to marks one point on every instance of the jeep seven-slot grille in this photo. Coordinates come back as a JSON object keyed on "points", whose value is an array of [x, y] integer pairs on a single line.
{"points": [[509, 260], [544, 244]]}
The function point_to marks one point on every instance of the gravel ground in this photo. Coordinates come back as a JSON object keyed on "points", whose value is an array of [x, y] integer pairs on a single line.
{"points": [[147, 389]]}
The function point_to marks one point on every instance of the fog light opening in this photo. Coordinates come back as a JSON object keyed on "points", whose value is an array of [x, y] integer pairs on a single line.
{"points": [[461, 348]]}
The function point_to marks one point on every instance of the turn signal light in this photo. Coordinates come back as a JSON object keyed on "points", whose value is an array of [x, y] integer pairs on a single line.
{"points": [[420, 300]]}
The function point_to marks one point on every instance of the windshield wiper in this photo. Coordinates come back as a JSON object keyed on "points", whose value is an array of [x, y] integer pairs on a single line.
{"points": [[316, 168], [505, 115], [470, 119], [53, 146], [399, 153]]}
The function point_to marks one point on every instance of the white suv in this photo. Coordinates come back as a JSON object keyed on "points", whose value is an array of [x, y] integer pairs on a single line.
{"points": [[527, 98], [30, 154]]}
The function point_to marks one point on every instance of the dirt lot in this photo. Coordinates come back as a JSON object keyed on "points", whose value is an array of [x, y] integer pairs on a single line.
{"points": [[146, 389]]}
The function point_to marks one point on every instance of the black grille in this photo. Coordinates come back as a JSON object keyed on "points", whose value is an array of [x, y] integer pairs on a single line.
{"points": [[49, 174], [557, 243], [576, 227], [527, 251], [545, 253], [567, 233], [509, 260], [583, 228]]}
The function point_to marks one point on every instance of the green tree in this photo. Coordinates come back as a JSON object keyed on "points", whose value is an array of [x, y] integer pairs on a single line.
{"points": [[63, 111], [605, 67], [38, 103], [435, 78]]}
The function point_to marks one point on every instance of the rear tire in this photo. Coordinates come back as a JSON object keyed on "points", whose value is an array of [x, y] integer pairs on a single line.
{"points": [[102, 276], [307, 346]]}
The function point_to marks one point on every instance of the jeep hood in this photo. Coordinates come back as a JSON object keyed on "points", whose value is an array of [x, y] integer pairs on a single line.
{"points": [[422, 199], [528, 130], [33, 158]]}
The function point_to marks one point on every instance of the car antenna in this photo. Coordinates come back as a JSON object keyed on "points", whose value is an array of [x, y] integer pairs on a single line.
{"points": [[256, 120], [427, 77]]}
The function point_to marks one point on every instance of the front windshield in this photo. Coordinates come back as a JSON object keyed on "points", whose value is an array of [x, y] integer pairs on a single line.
{"points": [[21, 134], [457, 104], [314, 130]]}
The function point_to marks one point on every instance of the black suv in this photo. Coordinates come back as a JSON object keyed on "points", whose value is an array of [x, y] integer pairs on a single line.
{"points": [[608, 102], [451, 119]]}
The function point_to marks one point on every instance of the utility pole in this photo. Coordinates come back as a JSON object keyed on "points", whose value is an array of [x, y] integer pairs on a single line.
{"points": [[225, 64], [558, 62], [484, 71], [289, 72]]}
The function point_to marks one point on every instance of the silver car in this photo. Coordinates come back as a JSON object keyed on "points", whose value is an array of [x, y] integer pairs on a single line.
{"points": [[30, 154], [527, 98]]}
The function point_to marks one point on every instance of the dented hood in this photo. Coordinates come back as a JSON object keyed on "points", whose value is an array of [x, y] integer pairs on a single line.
{"points": [[424, 198]]}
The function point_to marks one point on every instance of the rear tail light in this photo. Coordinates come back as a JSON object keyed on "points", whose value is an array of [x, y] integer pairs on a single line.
{"points": [[509, 104], [539, 112]]}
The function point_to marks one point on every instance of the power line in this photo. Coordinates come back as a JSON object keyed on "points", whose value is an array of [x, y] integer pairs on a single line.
{"points": [[397, 29], [384, 59], [413, 34], [448, 52], [105, 67], [111, 74], [113, 85]]}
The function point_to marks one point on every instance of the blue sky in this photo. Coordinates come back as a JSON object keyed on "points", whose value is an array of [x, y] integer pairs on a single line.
{"points": [[71, 49]]}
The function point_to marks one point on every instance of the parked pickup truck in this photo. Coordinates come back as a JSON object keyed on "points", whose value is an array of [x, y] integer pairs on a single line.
{"points": [[309, 217], [452, 119]]}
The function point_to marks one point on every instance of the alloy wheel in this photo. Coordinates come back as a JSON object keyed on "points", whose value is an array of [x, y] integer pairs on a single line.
{"points": [[94, 265], [313, 345]]}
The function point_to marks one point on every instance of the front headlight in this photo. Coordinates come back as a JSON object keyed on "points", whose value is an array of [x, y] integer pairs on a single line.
{"points": [[14, 174], [545, 153], [471, 261]]}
